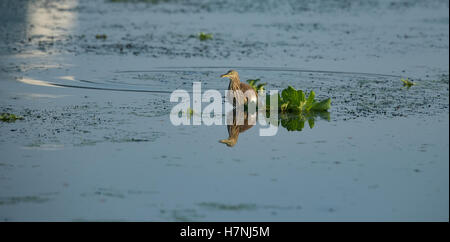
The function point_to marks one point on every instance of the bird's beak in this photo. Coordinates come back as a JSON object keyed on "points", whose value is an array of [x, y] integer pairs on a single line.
{"points": [[224, 75]]}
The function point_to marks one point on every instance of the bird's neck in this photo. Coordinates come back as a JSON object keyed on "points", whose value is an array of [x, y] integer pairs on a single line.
{"points": [[234, 83]]}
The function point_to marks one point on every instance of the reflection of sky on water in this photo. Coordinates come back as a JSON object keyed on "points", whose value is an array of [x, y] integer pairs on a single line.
{"points": [[36, 82], [30, 23], [51, 20]]}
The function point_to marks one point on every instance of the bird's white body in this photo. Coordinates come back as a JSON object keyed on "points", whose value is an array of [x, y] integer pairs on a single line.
{"points": [[253, 98]]}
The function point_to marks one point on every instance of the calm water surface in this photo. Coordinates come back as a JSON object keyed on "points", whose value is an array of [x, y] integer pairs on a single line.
{"points": [[96, 142]]}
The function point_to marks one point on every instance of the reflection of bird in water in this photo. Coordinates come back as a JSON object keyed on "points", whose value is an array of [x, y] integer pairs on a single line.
{"points": [[234, 129], [237, 85]]}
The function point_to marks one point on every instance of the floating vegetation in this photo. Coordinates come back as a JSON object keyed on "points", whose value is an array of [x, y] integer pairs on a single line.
{"points": [[255, 86], [203, 36], [295, 101], [101, 36], [139, 1], [190, 112], [408, 83], [9, 117]]}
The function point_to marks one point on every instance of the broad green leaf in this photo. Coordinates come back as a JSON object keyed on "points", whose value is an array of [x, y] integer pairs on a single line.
{"points": [[294, 98], [289, 94], [321, 106], [301, 95], [309, 101], [294, 101]]}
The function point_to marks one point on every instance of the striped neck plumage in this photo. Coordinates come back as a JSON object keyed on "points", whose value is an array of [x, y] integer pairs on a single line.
{"points": [[235, 83]]}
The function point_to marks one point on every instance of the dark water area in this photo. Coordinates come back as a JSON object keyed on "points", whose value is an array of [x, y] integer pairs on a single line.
{"points": [[92, 81]]}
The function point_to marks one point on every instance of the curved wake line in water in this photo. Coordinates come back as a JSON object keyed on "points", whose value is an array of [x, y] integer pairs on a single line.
{"points": [[52, 84], [110, 89], [258, 69], [177, 69]]}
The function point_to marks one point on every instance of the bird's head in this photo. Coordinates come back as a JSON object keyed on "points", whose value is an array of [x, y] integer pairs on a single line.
{"points": [[232, 74]]}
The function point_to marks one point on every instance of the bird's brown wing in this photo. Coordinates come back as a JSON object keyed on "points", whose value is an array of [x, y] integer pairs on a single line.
{"points": [[245, 87]]}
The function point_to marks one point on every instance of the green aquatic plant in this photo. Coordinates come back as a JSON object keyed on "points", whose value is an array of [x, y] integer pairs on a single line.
{"points": [[190, 112], [295, 109], [101, 36], [255, 86], [408, 83], [295, 101], [9, 117], [203, 36]]}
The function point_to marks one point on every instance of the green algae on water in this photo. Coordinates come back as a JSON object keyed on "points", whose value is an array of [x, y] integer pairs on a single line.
{"points": [[408, 83], [9, 117], [204, 36], [190, 112], [101, 36]]}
